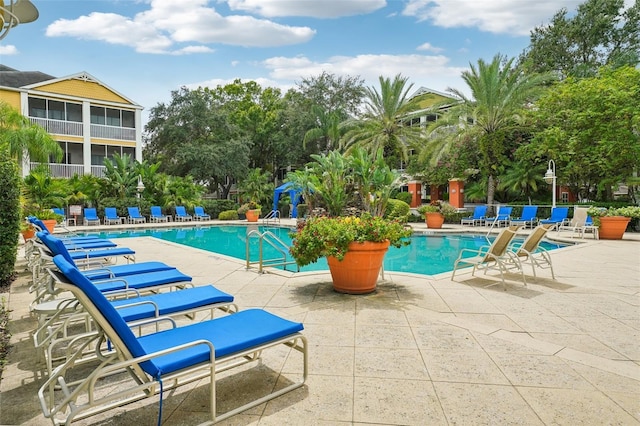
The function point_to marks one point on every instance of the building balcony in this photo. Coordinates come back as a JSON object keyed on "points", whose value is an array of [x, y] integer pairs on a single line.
{"points": [[73, 128], [59, 170]]}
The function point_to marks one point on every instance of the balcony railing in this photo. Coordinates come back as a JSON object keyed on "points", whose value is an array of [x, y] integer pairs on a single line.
{"points": [[58, 127], [112, 132], [61, 127], [69, 170]]}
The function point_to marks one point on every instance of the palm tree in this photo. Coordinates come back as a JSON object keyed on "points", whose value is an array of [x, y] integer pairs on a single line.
{"points": [[499, 93], [327, 132], [19, 137], [522, 178], [381, 126]]}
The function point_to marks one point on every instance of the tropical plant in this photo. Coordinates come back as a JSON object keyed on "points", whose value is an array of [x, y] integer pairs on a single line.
{"points": [[331, 180], [628, 211], [257, 186], [120, 174], [499, 93], [19, 137], [373, 180], [303, 182], [327, 133], [381, 126], [330, 236], [41, 191], [437, 206]]}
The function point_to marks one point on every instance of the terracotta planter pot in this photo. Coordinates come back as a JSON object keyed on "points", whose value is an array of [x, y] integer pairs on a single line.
{"points": [[50, 224], [613, 227], [28, 234], [434, 220], [358, 272], [253, 215]]}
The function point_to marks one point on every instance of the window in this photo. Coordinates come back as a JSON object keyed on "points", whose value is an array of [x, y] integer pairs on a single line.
{"points": [[56, 110], [564, 197], [37, 108], [128, 119], [74, 112], [97, 115], [113, 117]]}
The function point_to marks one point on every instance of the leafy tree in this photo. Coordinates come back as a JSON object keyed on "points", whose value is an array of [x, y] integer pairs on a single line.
{"points": [[330, 176], [374, 180], [333, 94], [523, 178], [381, 127], [327, 133], [499, 95], [590, 127], [18, 136], [602, 32]]}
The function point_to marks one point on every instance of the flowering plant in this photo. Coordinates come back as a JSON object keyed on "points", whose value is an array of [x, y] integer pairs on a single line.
{"points": [[628, 211], [330, 236]]}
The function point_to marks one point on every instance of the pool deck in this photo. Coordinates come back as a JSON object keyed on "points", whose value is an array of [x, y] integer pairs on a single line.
{"points": [[418, 351]]}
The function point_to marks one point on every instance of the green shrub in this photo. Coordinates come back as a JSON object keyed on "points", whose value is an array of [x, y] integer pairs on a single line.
{"points": [[404, 196], [9, 217], [5, 334], [397, 209], [303, 209], [214, 207], [228, 215]]}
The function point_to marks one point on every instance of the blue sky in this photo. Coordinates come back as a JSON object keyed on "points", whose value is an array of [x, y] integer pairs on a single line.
{"points": [[146, 49]]}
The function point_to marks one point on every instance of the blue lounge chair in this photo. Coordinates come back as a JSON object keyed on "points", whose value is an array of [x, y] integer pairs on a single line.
{"points": [[479, 215], [161, 361], [181, 214], [558, 215], [502, 218], [91, 217], [60, 212], [527, 217], [199, 214], [135, 216], [157, 216], [84, 254], [111, 216]]}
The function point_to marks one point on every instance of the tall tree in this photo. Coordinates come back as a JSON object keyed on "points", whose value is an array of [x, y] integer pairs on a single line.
{"points": [[499, 94], [602, 32], [381, 126], [333, 94], [591, 128]]}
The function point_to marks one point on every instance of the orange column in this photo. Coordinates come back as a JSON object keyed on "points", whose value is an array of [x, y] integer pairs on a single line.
{"points": [[415, 189], [456, 193]]}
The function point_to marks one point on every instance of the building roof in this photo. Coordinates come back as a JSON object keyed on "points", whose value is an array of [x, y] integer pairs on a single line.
{"points": [[10, 77]]}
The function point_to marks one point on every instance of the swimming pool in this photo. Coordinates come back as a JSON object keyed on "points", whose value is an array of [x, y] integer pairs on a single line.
{"points": [[427, 254]]}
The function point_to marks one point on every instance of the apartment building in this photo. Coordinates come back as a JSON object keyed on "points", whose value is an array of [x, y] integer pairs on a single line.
{"points": [[89, 120]]}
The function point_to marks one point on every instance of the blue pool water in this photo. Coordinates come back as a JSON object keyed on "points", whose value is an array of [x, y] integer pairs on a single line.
{"points": [[427, 254]]}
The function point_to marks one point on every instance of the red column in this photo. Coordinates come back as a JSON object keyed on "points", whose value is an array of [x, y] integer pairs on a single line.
{"points": [[415, 189], [456, 193]]}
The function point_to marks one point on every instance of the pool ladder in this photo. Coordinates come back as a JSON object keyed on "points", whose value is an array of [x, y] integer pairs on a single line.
{"points": [[275, 242]]}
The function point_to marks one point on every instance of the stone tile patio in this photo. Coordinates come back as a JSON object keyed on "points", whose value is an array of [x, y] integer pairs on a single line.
{"points": [[420, 350]]}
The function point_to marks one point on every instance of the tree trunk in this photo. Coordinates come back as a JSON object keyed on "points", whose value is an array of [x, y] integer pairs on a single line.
{"points": [[491, 190]]}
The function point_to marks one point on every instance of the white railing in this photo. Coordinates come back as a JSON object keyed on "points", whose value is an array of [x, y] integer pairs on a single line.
{"points": [[112, 132], [69, 170], [58, 127], [62, 170], [98, 171]]}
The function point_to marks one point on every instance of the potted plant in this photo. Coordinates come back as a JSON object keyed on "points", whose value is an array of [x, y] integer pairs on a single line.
{"points": [[354, 247], [49, 218], [434, 213], [613, 221], [251, 210]]}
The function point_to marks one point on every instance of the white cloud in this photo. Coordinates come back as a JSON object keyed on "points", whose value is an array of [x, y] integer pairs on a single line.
{"points": [[167, 23], [515, 17], [8, 49], [433, 72], [428, 47], [307, 8]]}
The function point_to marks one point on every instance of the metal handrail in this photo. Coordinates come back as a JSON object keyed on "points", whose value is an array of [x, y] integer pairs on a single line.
{"points": [[275, 242], [274, 215]]}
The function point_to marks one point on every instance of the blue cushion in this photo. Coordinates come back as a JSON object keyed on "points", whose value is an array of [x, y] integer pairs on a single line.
{"points": [[230, 334], [171, 302], [144, 280], [124, 270], [105, 307]]}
